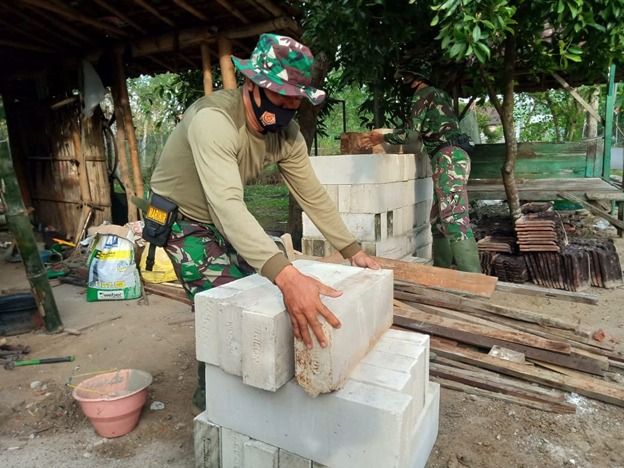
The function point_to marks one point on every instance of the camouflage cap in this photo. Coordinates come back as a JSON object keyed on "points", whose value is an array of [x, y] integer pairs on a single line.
{"points": [[282, 65], [418, 67]]}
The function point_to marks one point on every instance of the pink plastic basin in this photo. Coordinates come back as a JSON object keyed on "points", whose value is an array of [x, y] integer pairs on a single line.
{"points": [[113, 401]]}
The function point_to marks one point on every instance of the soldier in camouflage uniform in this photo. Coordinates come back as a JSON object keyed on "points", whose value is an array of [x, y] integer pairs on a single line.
{"points": [[433, 118], [222, 142]]}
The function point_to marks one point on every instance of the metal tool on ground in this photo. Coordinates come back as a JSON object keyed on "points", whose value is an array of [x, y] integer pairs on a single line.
{"points": [[31, 362]]}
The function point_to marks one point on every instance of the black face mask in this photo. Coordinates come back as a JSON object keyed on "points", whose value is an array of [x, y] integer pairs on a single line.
{"points": [[406, 88], [272, 117]]}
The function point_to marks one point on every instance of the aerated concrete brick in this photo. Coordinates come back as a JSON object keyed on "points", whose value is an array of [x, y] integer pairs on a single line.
{"points": [[359, 425], [206, 442], [247, 332], [365, 311], [260, 455], [363, 168]]}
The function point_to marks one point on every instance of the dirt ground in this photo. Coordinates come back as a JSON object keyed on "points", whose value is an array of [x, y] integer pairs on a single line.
{"points": [[43, 426]]}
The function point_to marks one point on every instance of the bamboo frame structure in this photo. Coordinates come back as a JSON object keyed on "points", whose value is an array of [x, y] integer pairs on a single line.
{"points": [[206, 68], [225, 62]]}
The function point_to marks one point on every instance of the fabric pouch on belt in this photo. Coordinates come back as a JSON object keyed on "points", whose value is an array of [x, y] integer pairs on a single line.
{"points": [[160, 216]]}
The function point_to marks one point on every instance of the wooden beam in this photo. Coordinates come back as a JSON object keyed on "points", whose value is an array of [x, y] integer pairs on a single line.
{"points": [[412, 314], [62, 25], [266, 5], [225, 62], [500, 385], [107, 6], [155, 12], [39, 25], [533, 290], [28, 46], [481, 340], [564, 84], [234, 11], [468, 305], [76, 16], [581, 384], [592, 209], [206, 68], [443, 279], [191, 9]]}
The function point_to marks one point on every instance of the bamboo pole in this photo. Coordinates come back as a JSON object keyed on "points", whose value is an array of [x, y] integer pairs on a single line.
{"points": [[128, 123], [225, 62], [124, 174], [206, 67], [83, 178], [19, 225]]}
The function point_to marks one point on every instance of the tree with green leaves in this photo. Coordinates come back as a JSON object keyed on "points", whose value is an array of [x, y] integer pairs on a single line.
{"points": [[499, 41]]}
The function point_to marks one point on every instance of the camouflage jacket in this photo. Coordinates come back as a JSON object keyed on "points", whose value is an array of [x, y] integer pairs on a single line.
{"points": [[432, 118]]}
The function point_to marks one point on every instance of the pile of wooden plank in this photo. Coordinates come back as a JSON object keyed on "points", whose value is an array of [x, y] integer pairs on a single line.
{"points": [[503, 352]]}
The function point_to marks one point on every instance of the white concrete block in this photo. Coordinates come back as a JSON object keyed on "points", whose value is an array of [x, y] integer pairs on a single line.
{"points": [[392, 247], [332, 191], [425, 252], [247, 331], [260, 455], [232, 448], [264, 299], [359, 425], [425, 431], [208, 305], [377, 198], [344, 199], [363, 226], [423, 190], [365, 311], [291, 460], [363, 168], [422, 213], [423, 165], [206, 442]]}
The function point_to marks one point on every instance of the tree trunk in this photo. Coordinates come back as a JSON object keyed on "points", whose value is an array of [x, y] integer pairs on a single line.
{"points": [[592, 123], [308, 114], [511, 143]]}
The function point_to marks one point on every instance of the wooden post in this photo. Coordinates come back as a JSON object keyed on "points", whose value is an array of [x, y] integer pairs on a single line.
{"points": [[206, 67], [225, 62], [124, 174], [608, 131], [129, 125]]}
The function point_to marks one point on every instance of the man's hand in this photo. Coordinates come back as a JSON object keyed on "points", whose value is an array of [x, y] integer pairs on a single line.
{"points": [[370, 139], [361, 259], [303, 303]]}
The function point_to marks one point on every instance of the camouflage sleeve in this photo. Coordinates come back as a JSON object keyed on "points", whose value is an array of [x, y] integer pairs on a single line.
{"points": [[402, 137]]}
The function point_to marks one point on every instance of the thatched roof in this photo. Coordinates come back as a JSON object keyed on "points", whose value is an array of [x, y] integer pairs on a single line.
{"points": [[155, 35]]}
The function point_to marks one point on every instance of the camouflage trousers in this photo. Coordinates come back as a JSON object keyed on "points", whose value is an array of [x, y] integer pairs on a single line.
{"points": [[449, 210], [201, 257]]}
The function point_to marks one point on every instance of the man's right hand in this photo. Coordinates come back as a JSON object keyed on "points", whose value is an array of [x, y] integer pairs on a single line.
{"points": [[302, 298]]}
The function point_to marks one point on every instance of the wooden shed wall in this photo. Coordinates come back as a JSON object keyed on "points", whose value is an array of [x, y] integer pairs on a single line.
{"points": [[47, 147]]}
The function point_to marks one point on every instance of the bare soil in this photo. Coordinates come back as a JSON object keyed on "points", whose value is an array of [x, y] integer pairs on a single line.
{"points": [[44, 426]]}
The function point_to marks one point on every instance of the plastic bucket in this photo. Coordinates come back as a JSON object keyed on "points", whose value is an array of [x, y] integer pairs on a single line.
{"points": [[113, 401]]}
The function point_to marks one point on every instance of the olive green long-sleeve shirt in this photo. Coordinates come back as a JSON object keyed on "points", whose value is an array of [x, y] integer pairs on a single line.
{"points": [[209, 157]]}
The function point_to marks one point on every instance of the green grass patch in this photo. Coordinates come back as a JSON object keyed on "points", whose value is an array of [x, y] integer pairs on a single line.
{"points": [[269, 204]]}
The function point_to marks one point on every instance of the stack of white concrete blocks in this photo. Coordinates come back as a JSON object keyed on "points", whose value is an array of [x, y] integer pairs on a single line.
{"points": [[380, 410], [384, 199]]}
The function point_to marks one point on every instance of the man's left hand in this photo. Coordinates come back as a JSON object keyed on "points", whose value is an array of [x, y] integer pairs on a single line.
{"points": [[361, 259]]}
